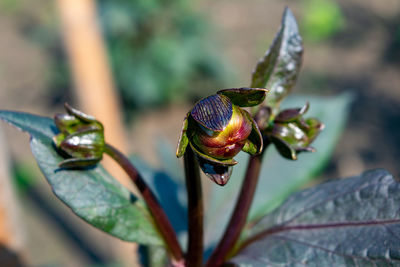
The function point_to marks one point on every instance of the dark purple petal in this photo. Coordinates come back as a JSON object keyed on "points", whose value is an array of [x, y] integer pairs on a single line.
{"points": [[213, 112]]}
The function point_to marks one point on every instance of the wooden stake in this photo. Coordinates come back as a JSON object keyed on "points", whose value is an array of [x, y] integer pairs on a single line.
{"points": [[94, 85]]}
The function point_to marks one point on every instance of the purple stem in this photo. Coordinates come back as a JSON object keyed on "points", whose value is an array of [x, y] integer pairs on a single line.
{"points": [[160, 218]]}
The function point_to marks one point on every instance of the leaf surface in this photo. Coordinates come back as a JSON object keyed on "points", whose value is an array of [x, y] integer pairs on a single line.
{"points": [[245, 97], [279, 68], [92, 194], [348, 222]]}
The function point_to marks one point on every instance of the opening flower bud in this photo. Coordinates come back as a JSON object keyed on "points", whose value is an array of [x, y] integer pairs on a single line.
{"points": [[217, 129], [227, 143], [81, 138]]}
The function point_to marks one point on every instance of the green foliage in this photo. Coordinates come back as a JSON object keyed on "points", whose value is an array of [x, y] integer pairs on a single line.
{"points": [[245, 97], [349, 222], [92, 194], [10, 5], [23, 178], [169, 189], [158, 50], [278, 69], [322, 19]]}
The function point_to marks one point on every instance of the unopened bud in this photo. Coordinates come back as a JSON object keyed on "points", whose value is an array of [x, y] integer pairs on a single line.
{"points": [[217, 129], [81, 138], [292, 134]]}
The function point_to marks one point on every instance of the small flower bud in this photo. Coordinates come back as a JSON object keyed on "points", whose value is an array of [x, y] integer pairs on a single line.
{"points": [[292, 134], [81, 138], [217, 129]]}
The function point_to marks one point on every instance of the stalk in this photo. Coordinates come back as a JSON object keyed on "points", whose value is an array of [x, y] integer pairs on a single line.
{"points": [[160, 218], [194, 256], [239, 215]]}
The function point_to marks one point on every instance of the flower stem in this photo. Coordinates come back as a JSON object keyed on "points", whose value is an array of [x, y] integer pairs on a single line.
{"points": [[194, 256], [160, 218], [239, 215]]}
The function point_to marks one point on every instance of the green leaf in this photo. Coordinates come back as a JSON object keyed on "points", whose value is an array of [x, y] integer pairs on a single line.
{"points": [[348, 222], [153, 256], [284, 148], [279, 68], [254, 143], [92, 194], [183, 138], [170, 191], [279, 177], [245, 97], [292, 114]]}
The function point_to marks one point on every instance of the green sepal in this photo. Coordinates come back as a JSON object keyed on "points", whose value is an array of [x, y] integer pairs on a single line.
{"points": [[250, 148], [66, 123], [245, 97], [292, 114], [183, 138], [85, 148], [224, 162], [76, 121], [57, 139], [284, 148], [254, 143], [84, 144], [79, 114], [315, 126], [262, 117]]}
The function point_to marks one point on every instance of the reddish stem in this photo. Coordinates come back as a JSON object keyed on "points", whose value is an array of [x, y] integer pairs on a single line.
{"points": [[239, 216], [194, 257], [160, 218]]}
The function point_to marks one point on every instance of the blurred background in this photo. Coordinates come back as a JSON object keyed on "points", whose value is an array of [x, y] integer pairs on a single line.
{"points": [[155, 58]]}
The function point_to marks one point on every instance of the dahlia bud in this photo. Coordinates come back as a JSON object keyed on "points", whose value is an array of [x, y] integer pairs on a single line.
{"points": [[81, 138], [292, 134], [217, 129]]}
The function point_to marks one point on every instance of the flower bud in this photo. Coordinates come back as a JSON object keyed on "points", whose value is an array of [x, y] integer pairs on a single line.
{"points": [[227, 143], [217, 129], [292, 134], [81, 138]]}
